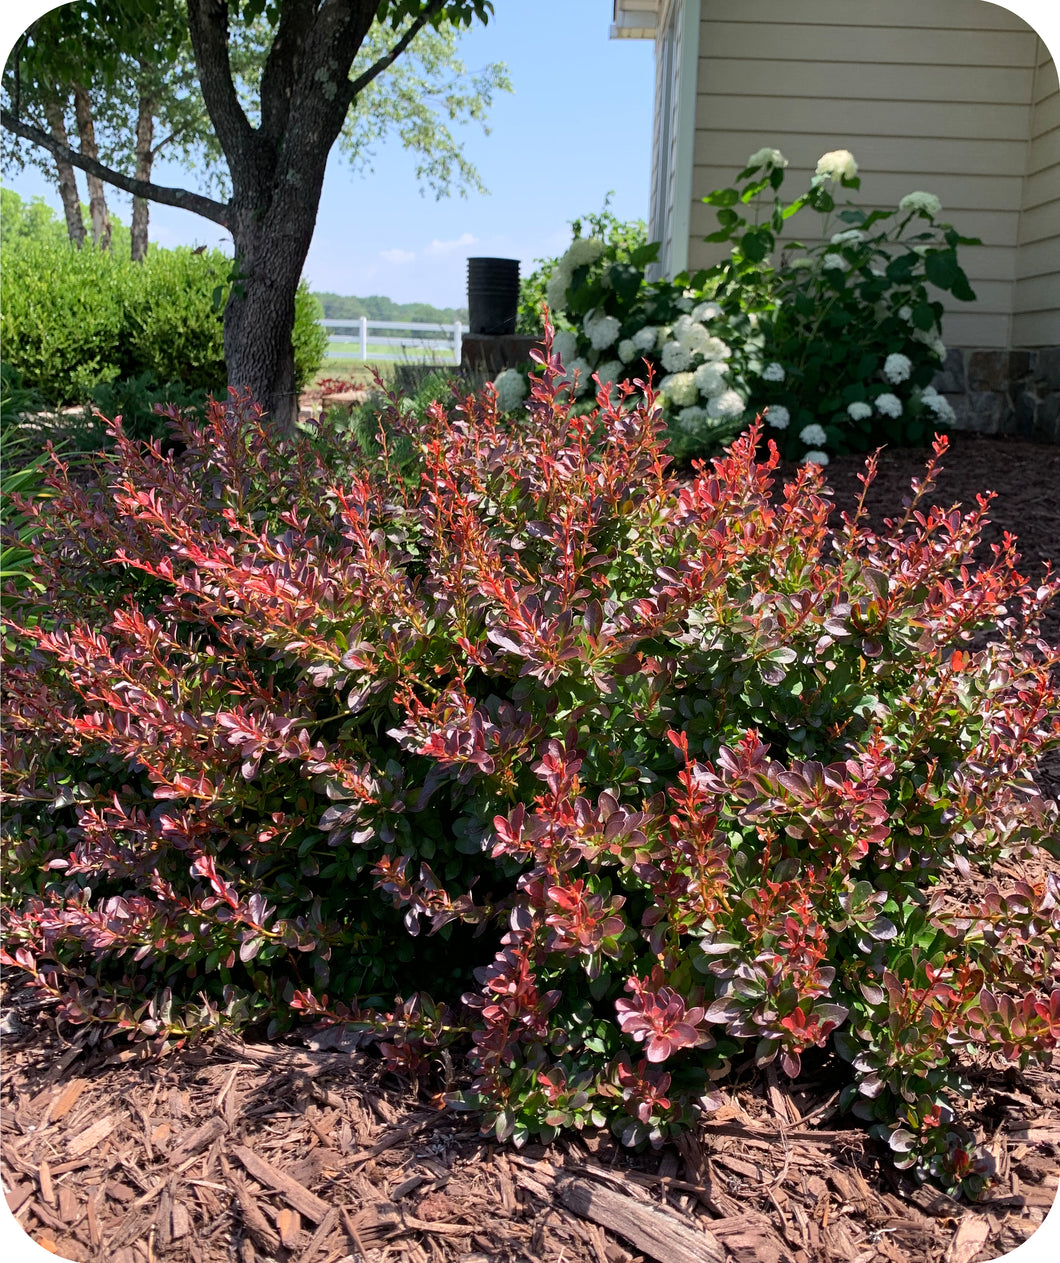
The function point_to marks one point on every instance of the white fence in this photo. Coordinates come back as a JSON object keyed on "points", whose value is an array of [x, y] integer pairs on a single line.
{"points": [[360, 341]]}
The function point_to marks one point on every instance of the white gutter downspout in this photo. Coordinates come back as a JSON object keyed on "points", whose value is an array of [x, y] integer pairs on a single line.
{"points": [[684, 150]]}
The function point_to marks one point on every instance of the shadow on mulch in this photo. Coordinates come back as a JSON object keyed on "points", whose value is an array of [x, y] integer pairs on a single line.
{"points": [[235, 1151]]}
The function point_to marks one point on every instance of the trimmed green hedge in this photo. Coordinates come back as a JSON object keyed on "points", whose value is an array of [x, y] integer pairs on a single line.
{"points": [[72, 319]]}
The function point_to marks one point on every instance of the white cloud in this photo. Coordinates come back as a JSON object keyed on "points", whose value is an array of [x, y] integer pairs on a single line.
{"points": [[447, 247], [397, 256]]}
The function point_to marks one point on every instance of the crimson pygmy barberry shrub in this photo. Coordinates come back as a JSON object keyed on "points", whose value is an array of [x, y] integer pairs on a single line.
{"points": [[672, 775]]}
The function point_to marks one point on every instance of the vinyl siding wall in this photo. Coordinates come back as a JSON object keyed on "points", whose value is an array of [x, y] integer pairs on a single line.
{"points": [[956, 97], [664, 137], [1036, 309]]}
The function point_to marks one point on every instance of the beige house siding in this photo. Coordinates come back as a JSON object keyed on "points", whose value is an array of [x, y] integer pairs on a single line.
{"points": [[956, 97], [676, 85], [1036, 306]]}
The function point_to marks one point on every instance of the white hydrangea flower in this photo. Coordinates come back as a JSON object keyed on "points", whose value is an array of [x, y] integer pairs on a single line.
{"points": [[858, 411], [511, 388], [601, 330], [585, 375], [778, 416], [692, 335], [715, 349], [627, 350], [665, 335], [897, 367], [611, 372], [710, 378], [565, 345], [927, 203], [815, 458], [905, 313], [680, 389], [889, 405], [767, 157], [675, 359], [834, 262], [645, 339], [705, 311], [556, 289], [692, 419], [851, 234], [813, 435], [773, 372], [684, 303], [727, 404], [837, 164], [938, 404], [582, 250]]}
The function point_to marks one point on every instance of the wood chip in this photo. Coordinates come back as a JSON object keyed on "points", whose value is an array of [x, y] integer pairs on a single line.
{"points": [[289, 1226], [658, 1233], [198, 1140], [92, 1136], [295, 1194], [64, 1102], [968, 1239], [44, 1180]]}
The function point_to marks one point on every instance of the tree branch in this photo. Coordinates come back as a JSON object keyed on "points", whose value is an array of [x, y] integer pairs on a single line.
{"points": [[363, 80], [208, 28], [182, 198]]}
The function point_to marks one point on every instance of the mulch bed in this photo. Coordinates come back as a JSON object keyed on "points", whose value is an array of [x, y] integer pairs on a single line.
{"points": [[233, 1152]]}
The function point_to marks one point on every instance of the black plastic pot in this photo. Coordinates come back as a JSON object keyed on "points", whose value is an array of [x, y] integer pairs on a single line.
{"points": [[492, 295]]}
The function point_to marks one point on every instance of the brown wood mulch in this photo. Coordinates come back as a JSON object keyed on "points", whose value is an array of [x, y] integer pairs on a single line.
{"points": [[234, 1152]]}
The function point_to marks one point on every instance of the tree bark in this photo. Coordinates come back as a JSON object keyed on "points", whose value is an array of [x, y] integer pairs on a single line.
{"points": [[75, 225], [97, 201], [141, 207]]}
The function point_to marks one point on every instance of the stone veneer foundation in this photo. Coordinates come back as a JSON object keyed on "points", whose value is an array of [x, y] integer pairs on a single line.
{"points": [[1004, 392]]}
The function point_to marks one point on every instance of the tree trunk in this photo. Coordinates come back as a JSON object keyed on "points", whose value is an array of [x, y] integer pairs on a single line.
{"points": [[145, 134], [75, 225], [97, 202], [259, 316]]}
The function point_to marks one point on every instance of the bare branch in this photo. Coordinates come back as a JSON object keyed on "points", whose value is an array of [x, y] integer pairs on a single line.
{"points": [[363, 80], [182, 198]]}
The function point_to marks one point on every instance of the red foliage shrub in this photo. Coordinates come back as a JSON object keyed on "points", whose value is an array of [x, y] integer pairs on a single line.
{"points": [[667, 771]]}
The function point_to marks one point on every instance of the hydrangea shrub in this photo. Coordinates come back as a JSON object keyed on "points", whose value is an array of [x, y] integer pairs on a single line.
{"points": [[840, 340], [619, 781]]}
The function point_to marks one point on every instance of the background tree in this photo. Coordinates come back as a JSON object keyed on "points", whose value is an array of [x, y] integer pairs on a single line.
{"points": [[275, 130]]}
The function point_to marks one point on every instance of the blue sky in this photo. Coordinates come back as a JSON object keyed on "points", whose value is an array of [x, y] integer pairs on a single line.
{"points": [[577, 125]]}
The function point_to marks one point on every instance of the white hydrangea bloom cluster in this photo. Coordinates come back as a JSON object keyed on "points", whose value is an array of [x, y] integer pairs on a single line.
{"points": [[565, 345], [837, 164], [815, 458], [680, 389], [813, 435], [664, 335], [897, 367], [645, 339], [611, 371], [773, 372], [888, 405], [710, 378], [675, 358], [728, 404], [926, 203], [938, 404], [581, 250], [931, 339], [778, 416], [859, 411], [705, 311], [905, 313], [601, 330], [511, 388], [694, 337], [770, 158], [585, 375], [627, 350]]}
